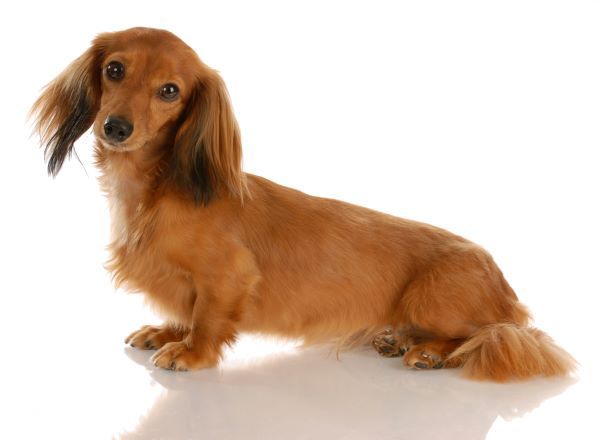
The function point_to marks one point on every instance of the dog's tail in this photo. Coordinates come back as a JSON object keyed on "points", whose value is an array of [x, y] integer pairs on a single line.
{"points": [[502, 352]]}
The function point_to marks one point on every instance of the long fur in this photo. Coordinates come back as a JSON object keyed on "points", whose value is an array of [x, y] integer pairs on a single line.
{"points": [[503, 352], [217, 251], [208, 144], [67, 108]]}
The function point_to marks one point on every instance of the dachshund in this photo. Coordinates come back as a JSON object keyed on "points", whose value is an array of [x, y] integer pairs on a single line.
{"points": [[217, 251]]}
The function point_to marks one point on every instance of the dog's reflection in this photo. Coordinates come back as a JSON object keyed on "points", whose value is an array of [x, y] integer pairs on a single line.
{"points": [[307, 393]]}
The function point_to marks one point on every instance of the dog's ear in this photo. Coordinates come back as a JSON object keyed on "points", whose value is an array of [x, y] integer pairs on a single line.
{"points": [[207, 148], [68, 105]]}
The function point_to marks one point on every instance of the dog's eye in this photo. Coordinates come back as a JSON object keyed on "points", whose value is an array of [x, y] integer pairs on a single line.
{"points": [[115, 70], [169, 92]]}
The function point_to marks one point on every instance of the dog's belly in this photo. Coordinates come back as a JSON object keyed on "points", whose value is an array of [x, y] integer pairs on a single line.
{"points": [[317, 308]]}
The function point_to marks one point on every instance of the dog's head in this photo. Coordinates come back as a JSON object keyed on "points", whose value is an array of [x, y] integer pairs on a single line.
{"points": [[146, 89]]}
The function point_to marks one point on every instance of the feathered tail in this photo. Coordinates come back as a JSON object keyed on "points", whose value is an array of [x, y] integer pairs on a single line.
{"points": [[502, 352]]}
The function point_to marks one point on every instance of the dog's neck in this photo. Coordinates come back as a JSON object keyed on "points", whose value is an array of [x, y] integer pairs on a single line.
{"points": [[129, 175], [130, 180]]}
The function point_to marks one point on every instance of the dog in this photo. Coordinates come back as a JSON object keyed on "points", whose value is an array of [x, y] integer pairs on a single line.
{"points": [[218, 251]]}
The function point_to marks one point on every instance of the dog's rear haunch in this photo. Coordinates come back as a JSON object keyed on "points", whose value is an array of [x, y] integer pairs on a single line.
{"points": [[218, 251]]}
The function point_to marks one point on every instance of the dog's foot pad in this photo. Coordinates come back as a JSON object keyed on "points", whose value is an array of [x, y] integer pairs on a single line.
{"points": [[388, 344]]}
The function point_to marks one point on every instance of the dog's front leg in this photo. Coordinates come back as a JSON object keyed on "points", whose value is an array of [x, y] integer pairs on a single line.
{"points": [[211, 329], [218, 307]]}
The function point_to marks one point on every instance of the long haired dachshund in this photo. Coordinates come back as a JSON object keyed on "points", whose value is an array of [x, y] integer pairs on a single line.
{"points": [[217, 251]]}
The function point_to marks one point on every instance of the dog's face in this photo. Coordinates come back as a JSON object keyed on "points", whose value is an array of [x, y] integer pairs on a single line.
{"points": [[145, 84], [145, 90]]}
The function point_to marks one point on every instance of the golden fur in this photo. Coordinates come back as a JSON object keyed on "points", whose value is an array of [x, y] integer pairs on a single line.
{"points": [[217, 251]]}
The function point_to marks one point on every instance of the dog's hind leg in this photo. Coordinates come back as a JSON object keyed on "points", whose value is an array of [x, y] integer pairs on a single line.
{"points": [[418, 351]]}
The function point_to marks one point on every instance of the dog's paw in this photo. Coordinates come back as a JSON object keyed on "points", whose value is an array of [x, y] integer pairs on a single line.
{"points": [[152, 337], [433, 354], [179, 356], [422, 358], [389, 344]]}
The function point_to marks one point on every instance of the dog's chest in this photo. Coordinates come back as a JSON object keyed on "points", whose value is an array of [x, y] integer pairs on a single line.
{"points": [[140, 262], [133, 257], [125, 204], [119, 223]]}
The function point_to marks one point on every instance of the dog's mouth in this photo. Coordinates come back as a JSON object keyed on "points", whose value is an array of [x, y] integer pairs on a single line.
{"points": [[119, 147]]}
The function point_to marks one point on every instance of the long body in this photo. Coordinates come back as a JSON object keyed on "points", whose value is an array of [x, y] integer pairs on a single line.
{"points": [[217, 251]]}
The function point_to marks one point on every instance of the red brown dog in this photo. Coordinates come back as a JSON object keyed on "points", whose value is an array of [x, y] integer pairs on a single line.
{"points": [[218, 251]]}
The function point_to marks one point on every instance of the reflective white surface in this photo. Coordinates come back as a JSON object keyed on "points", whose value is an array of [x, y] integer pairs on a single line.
{"points": [[74, 386]]}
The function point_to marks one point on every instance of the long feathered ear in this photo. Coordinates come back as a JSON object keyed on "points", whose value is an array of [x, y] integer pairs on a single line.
{"points": [[208, 151], [67, 107]]}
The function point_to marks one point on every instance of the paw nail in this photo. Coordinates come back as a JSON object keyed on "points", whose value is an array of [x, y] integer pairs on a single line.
{"points": [[438, 365], [420, 365]]}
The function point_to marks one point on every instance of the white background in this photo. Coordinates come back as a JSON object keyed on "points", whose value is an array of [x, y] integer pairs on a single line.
{"points": [[480, 117]]}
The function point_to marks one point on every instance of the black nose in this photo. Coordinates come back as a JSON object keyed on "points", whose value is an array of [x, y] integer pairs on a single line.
{"points": [[117, 129]]}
